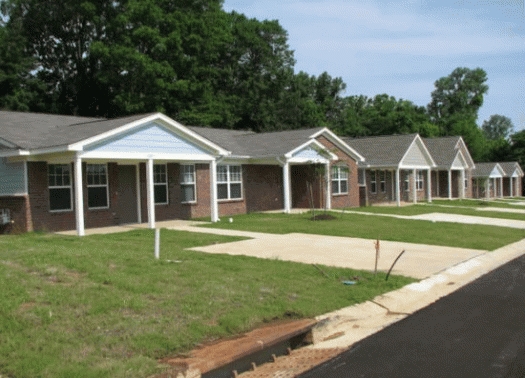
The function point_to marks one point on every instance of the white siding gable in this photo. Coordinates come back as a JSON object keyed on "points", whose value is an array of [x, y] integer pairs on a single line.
{"points": [[496, 173], [308, 153], [151, 138], [458, 163], [12, 178], [415, 157]]}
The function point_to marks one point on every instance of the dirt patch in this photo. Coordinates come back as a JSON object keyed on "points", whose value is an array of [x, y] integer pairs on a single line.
{"points": [[322, 217]]}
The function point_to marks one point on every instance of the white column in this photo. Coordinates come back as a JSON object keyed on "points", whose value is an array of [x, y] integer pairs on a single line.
{"points": [[511, 188], [150, 193], [462, 185], [328, 177], [214, 206], [286, 187], [429, 185], [449, 184], [398, 194], [501, 187], [414, 188], [79, 197], [139, 202], [487, 188]]}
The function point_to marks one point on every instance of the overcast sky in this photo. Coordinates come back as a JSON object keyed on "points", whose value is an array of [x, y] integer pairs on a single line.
{"points": [[402, 47]]}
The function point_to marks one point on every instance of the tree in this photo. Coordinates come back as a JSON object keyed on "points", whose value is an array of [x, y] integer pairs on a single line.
{"points": [[457, 96], [497, 127]]}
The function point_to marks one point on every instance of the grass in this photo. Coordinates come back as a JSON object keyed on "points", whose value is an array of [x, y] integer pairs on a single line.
{"points": [[505, 203], [102, 306], [383, 228]]}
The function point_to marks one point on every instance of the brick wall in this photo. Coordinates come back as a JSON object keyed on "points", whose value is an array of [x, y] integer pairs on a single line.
{"points": [[20, 214], [352, 198], [263, 187]]}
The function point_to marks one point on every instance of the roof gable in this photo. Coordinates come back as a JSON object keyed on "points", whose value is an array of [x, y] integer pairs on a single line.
{"points": [[491, 170]]}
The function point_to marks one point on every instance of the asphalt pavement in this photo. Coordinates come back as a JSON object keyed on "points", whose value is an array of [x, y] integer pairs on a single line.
{"points": [[477, 331]]}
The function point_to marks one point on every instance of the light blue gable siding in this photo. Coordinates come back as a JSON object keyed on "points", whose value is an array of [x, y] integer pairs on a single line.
{"points": [[150, 138], [414, 157], [12, 178], [308, 153]]}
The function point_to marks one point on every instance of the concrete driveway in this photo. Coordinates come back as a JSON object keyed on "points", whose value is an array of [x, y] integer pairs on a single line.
{"points": [[418, 261]]}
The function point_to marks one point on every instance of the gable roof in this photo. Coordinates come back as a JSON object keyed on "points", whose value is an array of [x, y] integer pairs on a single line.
{"points": [[444, 150], [486, 169], [386, 150], [268, 144], [510, 167]]}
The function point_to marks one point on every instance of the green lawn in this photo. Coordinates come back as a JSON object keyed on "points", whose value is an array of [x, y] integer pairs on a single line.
{"points": [[450, 207], [102, 306], [479, 203], [377, 227]]}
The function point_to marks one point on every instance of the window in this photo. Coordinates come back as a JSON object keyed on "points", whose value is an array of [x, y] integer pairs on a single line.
{"points": [[382, 184], [407, 182], [97, 186], [229, 182], [339, 180], [419, 181], [187, 183], [59, 181], [160, 184], [373, 181]]}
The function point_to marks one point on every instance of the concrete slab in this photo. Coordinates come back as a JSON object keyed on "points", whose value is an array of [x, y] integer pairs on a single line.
{"points": [[418, 261], [468, 219]]}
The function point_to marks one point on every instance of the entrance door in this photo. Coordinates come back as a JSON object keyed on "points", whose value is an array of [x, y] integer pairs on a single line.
{"points": [[127, 194]]}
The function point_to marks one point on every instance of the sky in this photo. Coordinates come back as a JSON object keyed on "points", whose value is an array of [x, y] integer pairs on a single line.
{"points": [[402, 47]]}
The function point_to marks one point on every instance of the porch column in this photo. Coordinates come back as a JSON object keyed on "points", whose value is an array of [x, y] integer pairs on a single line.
{"points": [[398, 194], [429, 185], [286, 187], [462, 186], [501, 187], [139, 202], [414, 188], [449, 184], [328, 178], [150, 193], [487, 188], [79, 197], [510, 191], [214, 206]]}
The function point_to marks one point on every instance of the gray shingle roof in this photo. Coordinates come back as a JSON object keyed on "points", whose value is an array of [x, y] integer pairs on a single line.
{"points": [[247, 143], [509, 167], [483, 169], [385, 150], [34, 131], [443, 150]]}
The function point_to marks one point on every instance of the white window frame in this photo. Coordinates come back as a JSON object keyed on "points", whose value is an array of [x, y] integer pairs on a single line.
{"points": [[373, 182], [407, 181], [339, 174], [382, 181], [420, 181], [70, 187], [161, 183], [193, 182], [106, 185], [228, 182]]}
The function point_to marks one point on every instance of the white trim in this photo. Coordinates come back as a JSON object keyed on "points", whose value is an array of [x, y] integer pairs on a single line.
{"points": [[317, 144], [338, 179], [98, 186], [214, 207], [328, 194], [14, 153], [164, 120], [339, 143], [449, 184], [165, 165], [417, 139], [137, 187], [429, 185], [286, 187], [79, 197], [194, 183], [470, 163], [229, 182], [144, 156], [70, 187], [398, 188], [150, 193]]}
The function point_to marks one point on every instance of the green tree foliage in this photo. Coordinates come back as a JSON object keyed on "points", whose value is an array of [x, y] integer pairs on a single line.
{"points": [[497, 127], [517, 152]]}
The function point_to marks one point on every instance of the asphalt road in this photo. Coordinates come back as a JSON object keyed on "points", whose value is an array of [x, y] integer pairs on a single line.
{"points": [[477, 331]]}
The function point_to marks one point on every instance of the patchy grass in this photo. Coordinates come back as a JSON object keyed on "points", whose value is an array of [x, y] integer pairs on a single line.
{"points": [[478, 202], [102, 306], [383, 228]]}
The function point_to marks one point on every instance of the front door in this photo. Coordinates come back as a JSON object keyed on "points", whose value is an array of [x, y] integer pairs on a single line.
{"points": [[127, 194]]}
